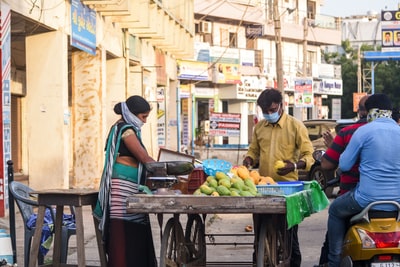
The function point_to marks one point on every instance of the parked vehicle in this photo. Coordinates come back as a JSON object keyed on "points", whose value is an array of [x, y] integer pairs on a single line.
{"points": [[373, 238], [315, 129]]}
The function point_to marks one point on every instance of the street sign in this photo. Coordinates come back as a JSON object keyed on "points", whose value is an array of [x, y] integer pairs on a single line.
{"points": [[225, 124]]}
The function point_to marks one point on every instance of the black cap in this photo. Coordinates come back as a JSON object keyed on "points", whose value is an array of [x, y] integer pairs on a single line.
{"points": [[379, 101]]}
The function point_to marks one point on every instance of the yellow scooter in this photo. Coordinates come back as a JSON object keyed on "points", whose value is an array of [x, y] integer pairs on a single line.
{"points": [[373, 238]]}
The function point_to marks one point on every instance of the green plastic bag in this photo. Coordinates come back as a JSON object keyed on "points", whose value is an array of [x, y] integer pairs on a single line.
{"points": [[304, 203], [319, 200]]}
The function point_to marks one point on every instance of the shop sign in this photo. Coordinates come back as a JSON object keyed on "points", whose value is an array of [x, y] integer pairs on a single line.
{"points": [[185, 122], [184, 91], [224, 124], [330, 87], [202, 52], [303, 94], [205, 92], [161, 118], [254, 31], [250, 87], [5, 114], [286, 84], [224, 55], [390, 30], [356, 100], [226, 73], [192, 70], [247, 57], [83, 27]]}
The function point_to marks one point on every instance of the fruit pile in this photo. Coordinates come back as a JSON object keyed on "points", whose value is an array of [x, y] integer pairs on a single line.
{"points": [[238, 182], [243, 172]]}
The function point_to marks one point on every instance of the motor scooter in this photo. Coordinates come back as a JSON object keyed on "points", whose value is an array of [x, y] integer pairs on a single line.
{"points": [[373, 238]]}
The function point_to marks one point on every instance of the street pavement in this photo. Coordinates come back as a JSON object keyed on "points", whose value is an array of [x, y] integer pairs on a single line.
{"points": [[226, 238]]}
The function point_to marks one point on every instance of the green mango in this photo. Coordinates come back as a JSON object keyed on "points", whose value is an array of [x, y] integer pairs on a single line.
{"points": [[223, 191], [213, 183], [225, 182], [246, 194], [221, 175], [206, 189], [235, 194], [238, 185], [250, 183]]}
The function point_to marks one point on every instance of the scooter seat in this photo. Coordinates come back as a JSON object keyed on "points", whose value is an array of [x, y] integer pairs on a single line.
{"points": [[377, 214], [368, 213]]}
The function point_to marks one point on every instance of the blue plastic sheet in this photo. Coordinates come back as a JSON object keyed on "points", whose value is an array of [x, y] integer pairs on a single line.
{"points": [[48, 228]]}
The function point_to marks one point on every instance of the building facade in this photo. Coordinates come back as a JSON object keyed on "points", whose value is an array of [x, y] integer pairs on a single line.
{"points": [[189, 58], [71, 62], [237, 45]]}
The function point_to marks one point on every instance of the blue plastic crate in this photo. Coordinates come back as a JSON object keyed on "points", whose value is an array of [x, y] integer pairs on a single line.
{"points": [[281, 188]]}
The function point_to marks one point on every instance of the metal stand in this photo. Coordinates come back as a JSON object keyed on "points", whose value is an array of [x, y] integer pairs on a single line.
{"points": [[10, 175]]}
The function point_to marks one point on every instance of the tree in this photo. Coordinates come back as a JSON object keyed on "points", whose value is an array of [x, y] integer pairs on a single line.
{"points": [[387, 76]]}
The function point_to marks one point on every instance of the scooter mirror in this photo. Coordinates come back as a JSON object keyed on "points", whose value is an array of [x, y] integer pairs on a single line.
{"points": [[317, 154]]}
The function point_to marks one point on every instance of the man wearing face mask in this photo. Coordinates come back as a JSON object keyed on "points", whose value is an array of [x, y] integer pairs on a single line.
{"points": [[279, 136]]}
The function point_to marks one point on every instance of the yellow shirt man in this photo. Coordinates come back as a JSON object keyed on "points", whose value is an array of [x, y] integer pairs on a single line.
{"points": [[286, 140]]}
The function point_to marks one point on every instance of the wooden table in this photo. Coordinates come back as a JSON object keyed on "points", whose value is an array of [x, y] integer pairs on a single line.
{"points": [[60, 198]]}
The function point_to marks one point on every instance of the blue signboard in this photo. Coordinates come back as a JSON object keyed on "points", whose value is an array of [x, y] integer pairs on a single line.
{"points": [[83, 27]]}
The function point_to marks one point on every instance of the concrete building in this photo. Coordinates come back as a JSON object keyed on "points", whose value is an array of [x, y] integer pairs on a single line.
{"points": [[237, 45], [70, 63]]}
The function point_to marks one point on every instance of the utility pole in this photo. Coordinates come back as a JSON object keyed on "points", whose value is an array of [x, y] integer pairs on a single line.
{"points": [[305, 44], [359, 86], [278, 46]]}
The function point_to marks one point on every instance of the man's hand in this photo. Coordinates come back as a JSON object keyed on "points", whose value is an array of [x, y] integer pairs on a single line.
{"points": [[248, 162], [328, 138], [289, 167]]}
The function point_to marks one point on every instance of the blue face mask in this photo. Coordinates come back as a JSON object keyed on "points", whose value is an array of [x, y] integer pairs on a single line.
{"points": [[272, 118]]}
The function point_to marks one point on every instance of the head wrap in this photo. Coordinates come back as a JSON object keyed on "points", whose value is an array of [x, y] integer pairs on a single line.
{"points": [[137, 104], [376, 113], [378, 106], [129, 110]]}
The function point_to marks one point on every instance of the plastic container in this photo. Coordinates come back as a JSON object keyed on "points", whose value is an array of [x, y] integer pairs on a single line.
{"points": [[6, 251], [196, 178], [212, 166], [281, 188]]}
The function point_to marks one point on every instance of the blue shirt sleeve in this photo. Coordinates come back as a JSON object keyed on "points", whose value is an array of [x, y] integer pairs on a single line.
{"points": [[352, 152]]}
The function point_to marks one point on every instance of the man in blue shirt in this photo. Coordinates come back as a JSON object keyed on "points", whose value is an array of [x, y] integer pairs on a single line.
{"points": [[372, 144]]}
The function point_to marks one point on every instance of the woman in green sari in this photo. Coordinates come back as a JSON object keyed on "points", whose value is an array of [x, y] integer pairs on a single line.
{"points": [[127, 236]]}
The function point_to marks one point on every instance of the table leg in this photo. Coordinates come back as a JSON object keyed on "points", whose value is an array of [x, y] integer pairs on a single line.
{"points": [[100, 244], [37, 236], [80, 236], [58, 236]]}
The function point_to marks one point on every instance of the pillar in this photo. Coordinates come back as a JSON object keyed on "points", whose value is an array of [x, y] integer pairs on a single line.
{"points": [[88, 117], [47, 120]]}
